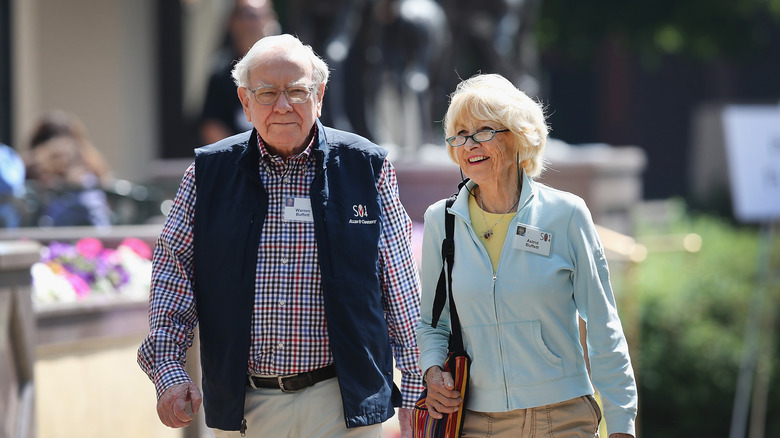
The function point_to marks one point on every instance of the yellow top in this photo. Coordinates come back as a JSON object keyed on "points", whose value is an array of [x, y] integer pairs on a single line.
{"points": [[482, 221]]}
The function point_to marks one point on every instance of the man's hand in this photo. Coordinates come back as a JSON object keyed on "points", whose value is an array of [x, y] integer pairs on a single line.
{"points": [[173, 405], [442, 396], [405, 421], [620, 435]]}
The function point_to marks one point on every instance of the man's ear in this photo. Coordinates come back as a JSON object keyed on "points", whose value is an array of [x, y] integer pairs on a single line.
{"points": [[320, 95], [245, 96]]}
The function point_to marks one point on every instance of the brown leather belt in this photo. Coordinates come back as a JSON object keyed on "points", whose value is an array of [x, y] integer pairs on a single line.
{"points": [[293, 382]]}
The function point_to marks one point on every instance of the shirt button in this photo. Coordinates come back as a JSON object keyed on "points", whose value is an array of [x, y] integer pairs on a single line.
{"points": [[280, 345], [282, 302], [286, 180], [284, 260]]}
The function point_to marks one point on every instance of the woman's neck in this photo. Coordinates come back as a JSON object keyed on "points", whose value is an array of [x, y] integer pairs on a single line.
{"points": [[498, 199]]}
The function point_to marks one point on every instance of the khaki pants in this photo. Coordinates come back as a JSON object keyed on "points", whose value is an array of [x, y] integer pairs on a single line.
{"points": [[575, 418], [315, 412]]}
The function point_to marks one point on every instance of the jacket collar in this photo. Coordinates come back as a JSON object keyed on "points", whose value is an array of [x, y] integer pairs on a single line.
{"points": [[249, 160], [321, 146]]}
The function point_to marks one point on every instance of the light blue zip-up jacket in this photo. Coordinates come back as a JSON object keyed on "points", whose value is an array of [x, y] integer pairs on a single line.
{"points": [[520, 326]]}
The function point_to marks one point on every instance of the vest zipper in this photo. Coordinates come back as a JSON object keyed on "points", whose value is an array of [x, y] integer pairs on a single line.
{"points": [[243, 427]]}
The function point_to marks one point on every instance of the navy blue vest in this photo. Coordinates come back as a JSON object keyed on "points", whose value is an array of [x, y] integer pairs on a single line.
{"points": [[229, 213]]}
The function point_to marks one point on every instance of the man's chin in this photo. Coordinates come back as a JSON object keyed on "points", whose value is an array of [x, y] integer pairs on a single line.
{"points": [[284, 146]]}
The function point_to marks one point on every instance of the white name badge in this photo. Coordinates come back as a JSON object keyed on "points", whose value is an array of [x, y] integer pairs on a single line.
{"points": [[532, 239], [297, 210]]}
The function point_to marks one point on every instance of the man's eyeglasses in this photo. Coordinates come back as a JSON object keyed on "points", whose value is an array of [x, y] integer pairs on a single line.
{"points": [[479, 137], [269, 96]]}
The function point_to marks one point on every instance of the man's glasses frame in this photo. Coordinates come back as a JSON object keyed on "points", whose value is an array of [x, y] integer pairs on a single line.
{"points": [[265, 95]]}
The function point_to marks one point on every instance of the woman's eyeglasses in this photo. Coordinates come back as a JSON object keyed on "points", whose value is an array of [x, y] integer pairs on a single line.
{"points": [[479, 137]]}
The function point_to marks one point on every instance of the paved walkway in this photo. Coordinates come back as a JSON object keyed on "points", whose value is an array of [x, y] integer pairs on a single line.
{"points": [[95, 393], [99, 391]]}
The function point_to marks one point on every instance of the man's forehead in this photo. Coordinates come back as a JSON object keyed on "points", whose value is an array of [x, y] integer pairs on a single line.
{"points": [[271, 82], [282, 71]]}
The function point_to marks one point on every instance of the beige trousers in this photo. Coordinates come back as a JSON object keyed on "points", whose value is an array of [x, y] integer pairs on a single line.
{"points": [[575, 418], [315, 412]]}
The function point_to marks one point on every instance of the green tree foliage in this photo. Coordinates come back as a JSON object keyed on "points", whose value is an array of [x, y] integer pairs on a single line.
{"points": [[701, 29], [693, 314]]}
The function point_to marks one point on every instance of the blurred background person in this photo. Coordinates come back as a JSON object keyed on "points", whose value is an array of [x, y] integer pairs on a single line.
{"points": [[222, 114], [65, 174], [11, 186]]}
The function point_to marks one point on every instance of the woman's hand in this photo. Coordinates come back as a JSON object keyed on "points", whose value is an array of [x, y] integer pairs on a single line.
{"points": [[442, 397]]}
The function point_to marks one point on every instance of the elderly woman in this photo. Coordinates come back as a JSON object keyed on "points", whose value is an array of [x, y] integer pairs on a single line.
{"points": [[528, 262]]}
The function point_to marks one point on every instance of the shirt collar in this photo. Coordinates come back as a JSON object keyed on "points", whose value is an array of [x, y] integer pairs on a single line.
{"points": [[266, 155]]}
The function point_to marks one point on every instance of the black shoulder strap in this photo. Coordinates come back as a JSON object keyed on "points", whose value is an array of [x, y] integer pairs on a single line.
{"points": [[444, 286], [456, 336], [447, 257]]}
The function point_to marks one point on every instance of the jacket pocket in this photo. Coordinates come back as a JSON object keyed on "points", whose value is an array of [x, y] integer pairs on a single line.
{"points": [[515, 351], [527, 358]]}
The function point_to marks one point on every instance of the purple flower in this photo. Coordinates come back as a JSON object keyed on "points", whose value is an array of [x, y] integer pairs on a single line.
{"points": [[91, 268], [58, 250]]}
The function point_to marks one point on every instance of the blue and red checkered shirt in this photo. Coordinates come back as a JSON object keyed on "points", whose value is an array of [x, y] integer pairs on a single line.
{"points": [[289, 331]]}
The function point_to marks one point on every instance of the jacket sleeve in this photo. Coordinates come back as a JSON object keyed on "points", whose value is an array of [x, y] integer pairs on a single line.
{"points": [[611, 369]]}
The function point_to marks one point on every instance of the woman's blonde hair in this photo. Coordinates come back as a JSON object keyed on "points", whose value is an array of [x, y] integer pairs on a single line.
{"points": [[491, 98]]}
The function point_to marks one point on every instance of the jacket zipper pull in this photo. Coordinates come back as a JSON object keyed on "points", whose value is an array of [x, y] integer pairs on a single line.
{"points": [[243, 427]]}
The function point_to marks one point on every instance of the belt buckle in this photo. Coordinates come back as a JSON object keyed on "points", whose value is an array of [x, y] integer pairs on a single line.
{"points": [[280, 379]]}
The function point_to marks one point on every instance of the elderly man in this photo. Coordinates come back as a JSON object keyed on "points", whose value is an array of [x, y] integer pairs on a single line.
{"points": [[292, 253]]}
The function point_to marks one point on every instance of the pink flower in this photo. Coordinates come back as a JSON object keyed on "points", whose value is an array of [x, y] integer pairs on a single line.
{"points": [[79, 285], [138, 246], [89, 247], [111, 256]]}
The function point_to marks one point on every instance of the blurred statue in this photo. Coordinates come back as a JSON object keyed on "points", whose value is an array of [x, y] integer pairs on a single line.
{"points": [[379, 51], [496, 36], [394, 62], [415, 45]]}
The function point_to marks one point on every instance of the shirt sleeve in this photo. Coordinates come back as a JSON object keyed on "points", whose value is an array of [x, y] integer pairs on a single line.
{"points": [[172, 316], [400, 284], [610, 364]]}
